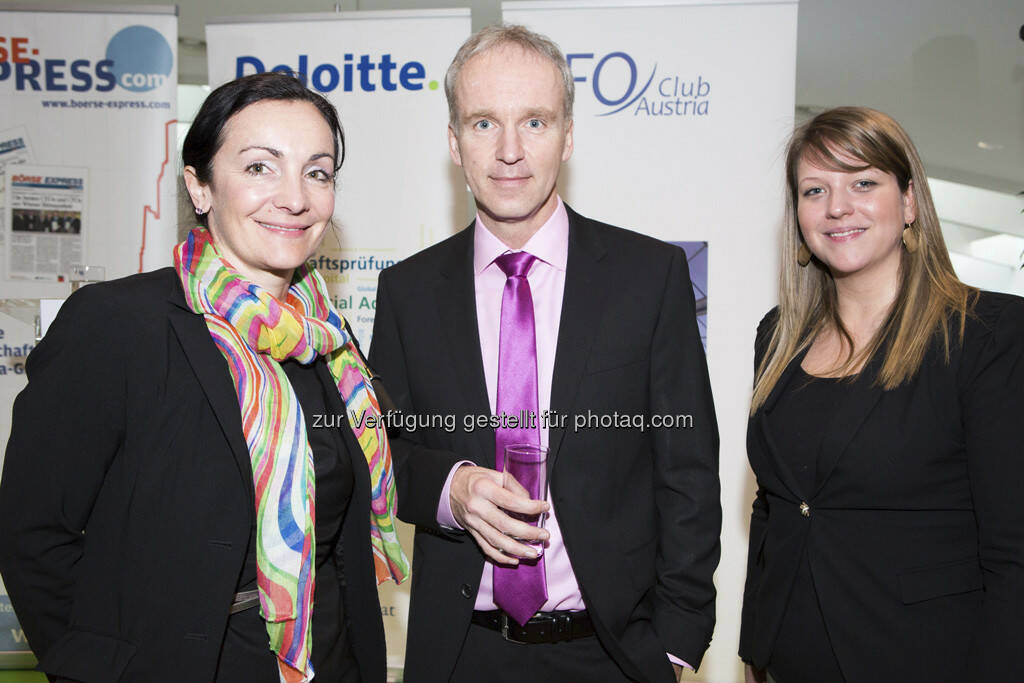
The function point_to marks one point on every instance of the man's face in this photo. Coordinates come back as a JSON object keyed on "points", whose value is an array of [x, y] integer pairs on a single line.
{"points": [[511, 138]]}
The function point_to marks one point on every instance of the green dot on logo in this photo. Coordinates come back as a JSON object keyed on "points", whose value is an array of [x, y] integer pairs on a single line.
{"points": [[432, 85]]}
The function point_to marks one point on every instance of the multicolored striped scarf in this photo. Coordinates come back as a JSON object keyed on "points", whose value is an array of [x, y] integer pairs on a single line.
{"points": [[255, 332]]}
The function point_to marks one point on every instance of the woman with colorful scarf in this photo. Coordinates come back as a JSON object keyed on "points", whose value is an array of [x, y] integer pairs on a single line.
{"points": [[172, 506]]}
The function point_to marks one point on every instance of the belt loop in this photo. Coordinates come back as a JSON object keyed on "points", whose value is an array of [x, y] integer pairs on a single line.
{"points": [[562, 627]]}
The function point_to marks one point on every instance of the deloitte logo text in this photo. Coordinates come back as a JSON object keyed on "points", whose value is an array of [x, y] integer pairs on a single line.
{"points": [[364, 73], [615, 80], [138, 59]]}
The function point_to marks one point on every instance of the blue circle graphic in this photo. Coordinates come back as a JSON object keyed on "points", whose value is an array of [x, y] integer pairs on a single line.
{"points": [[142, 58]]}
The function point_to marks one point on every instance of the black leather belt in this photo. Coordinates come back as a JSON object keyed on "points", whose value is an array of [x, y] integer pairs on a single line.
{"points": [[543, 627]]}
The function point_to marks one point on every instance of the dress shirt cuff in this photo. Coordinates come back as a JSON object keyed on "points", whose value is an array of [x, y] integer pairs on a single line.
{"points": [[675, 660], [445, 518]]}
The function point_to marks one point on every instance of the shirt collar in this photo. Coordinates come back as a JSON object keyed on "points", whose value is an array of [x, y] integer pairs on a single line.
{"points": [[549, 244]]}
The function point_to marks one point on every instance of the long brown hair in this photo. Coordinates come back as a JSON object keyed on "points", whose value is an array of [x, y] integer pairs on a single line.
{"points": [[930, 296]]}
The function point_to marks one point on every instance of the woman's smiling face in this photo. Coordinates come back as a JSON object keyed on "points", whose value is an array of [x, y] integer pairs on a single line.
{"points": [[271, 190], [853, 221]]}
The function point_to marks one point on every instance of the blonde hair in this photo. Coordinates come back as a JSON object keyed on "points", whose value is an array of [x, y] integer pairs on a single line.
{"points": [[930, 295], [507, 34]]}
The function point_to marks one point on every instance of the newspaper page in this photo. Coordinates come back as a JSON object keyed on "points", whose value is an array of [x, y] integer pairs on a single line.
{"points": [[45, 212], [14, 149]]}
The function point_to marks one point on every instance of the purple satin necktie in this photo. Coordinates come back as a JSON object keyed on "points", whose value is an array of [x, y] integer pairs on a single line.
{"points": [[520, 590]]}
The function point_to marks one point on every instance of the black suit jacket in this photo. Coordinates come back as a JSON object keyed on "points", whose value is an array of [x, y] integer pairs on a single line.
{"points": [[127, 495], [639, 509], [915, 530]]}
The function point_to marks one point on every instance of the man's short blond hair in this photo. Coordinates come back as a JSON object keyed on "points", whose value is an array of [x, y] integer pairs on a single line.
{"points": [[507, 34]]}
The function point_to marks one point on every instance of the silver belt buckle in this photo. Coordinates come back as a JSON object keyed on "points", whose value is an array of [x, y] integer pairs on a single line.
{"points": [[503, 622], [244, 600]]}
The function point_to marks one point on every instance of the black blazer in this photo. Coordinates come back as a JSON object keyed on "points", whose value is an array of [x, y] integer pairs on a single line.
{"points": [[915, 532], [639, 510], [127, 496]]}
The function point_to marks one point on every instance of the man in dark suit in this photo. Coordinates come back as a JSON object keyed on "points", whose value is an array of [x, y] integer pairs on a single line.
{"points": [[592, 329]]}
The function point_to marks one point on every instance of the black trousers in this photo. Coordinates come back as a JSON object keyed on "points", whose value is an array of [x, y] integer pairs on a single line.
{"points": [[486, 656]]}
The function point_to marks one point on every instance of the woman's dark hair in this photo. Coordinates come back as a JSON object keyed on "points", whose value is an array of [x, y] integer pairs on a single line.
{"points": [[205, 136]]}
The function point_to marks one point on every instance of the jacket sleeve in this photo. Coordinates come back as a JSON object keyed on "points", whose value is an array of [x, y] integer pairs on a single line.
{"points": [[992, 400], [686, 483], [68, 424], [758, 515], [420, 472], [758, 529]]}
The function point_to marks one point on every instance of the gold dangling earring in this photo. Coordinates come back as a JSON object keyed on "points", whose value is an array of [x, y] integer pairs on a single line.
{"points": [[910, 239], [803, 255]]}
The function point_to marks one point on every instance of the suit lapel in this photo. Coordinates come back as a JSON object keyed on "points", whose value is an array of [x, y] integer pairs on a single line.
{"points": [[455, 297], [211, 370], [849, 414], [779, 463], [586, 290]]}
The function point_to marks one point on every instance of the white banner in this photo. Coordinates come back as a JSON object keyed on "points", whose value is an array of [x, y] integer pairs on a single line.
{"points": [[398, 191], [94, 89], [682, 111]]}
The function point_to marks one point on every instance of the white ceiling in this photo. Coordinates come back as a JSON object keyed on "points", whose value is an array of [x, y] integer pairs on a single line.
{"points": [[951, 71]]}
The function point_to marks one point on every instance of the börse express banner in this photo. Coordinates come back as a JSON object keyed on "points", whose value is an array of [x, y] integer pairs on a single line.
{"points": [[87, 113]]}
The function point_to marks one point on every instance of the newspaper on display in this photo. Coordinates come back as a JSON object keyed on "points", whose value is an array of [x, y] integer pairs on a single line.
{"points": [[44, 215]]}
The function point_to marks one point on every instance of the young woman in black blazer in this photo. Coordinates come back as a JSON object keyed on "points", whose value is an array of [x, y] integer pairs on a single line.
{"points": [[179, 502], [887, 534]]}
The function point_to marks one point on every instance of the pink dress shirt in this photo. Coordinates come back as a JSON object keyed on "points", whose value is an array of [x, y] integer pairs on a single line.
{"points": [[550, 244]]}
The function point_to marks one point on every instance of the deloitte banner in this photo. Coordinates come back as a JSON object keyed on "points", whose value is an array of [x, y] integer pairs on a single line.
{"points": [[398, 191], [682, 111], [87, 107], [385, 72]]}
